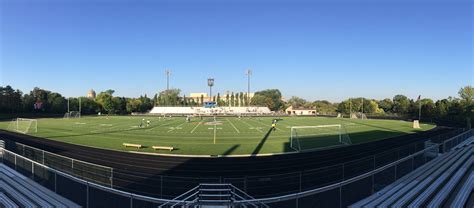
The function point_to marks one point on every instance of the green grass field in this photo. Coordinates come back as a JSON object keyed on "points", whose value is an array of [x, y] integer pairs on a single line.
{"points": [[233, 136]]}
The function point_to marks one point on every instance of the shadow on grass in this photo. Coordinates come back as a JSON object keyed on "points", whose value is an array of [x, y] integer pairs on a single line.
{"points": [[95, 133], [379, 127], [231, 149], [262, 142]]}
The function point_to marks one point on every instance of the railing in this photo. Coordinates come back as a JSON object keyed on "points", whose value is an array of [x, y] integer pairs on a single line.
{"points": [[214, 195], [341, 184], [88, 171], [82, 192], [450, 143]]}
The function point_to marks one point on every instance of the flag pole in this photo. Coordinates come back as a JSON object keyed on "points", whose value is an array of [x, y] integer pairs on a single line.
{"points": [[419, 111], [419, 108]]}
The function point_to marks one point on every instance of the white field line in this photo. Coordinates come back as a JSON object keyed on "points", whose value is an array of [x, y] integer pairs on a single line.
{"points": [[266, 124], [253, 127], [196, 127], [177, 127], [163, 124], [215, 133], [237, 130]]}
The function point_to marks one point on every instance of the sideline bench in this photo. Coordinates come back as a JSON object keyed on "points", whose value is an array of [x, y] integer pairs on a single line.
{"points": [[162, 148], [138, 146]]}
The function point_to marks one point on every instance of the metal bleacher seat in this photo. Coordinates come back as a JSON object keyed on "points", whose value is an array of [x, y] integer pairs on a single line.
{"points": [[454, 164], [22, 200], [391, 189], [466, 142], [431, 184], [461, 198], [27, 192], [449, 186], [6, 202]]}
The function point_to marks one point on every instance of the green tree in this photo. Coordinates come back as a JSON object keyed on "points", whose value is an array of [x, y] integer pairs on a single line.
{"points": [[401, 104], [89, 106], [232, 99], [271, 94], [370, 106], [169, 97], [237, 99], [344, 107], [108, 104], [10, 100], [57, 103], [386, 104], [185, 101], [428, 108], [297, 102], [467, 94], [325, 107], [102, 97]]}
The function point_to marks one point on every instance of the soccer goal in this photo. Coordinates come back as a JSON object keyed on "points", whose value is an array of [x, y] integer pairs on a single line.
{"points": [[23, 125], [72, 114], [311, 137], [358, 115]]}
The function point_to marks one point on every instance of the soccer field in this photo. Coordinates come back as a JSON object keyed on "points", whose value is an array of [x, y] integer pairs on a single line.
{"points": [[223, 136]]}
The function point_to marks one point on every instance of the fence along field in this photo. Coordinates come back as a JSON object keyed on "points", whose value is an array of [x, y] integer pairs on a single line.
{"points": [[208, 136]]}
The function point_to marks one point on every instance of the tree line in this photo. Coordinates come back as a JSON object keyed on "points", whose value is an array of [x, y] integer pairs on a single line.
{"points": [[452, 110], [44, 101]]}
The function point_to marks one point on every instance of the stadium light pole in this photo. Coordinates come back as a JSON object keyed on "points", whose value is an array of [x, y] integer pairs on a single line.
{"points": [[248, 73], [168, 73], [210, 83], [68, 104]]}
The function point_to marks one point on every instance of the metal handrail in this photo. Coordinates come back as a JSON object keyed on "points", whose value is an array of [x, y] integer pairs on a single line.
{"points": [[335, 185], [248, 201]]}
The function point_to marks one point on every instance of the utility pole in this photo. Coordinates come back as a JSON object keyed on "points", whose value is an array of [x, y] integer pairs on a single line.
{"points": [[419, 108], [248, 73], [79, 105], [350, 107], [168, 73], [68, 104]]}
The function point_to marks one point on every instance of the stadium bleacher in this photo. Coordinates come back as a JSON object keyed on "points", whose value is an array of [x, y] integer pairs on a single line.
{"points": [[209, 111], [446, 180], [17, 190]]}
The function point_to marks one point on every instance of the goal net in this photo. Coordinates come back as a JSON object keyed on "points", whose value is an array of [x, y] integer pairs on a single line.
{"points": [[358, 115], [23, 125], [311, 137], [72, 114]]}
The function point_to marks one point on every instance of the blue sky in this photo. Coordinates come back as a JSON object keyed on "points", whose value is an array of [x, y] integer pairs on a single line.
{"points": [[313, 49]]}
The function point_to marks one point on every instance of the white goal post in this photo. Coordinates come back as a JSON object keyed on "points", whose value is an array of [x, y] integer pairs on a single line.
{"points": [[336, 133], [72, 114], [358, 115], [23, 125]]}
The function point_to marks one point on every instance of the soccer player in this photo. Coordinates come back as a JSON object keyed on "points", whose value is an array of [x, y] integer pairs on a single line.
{"points": [[274, 124], [147, 123]]}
